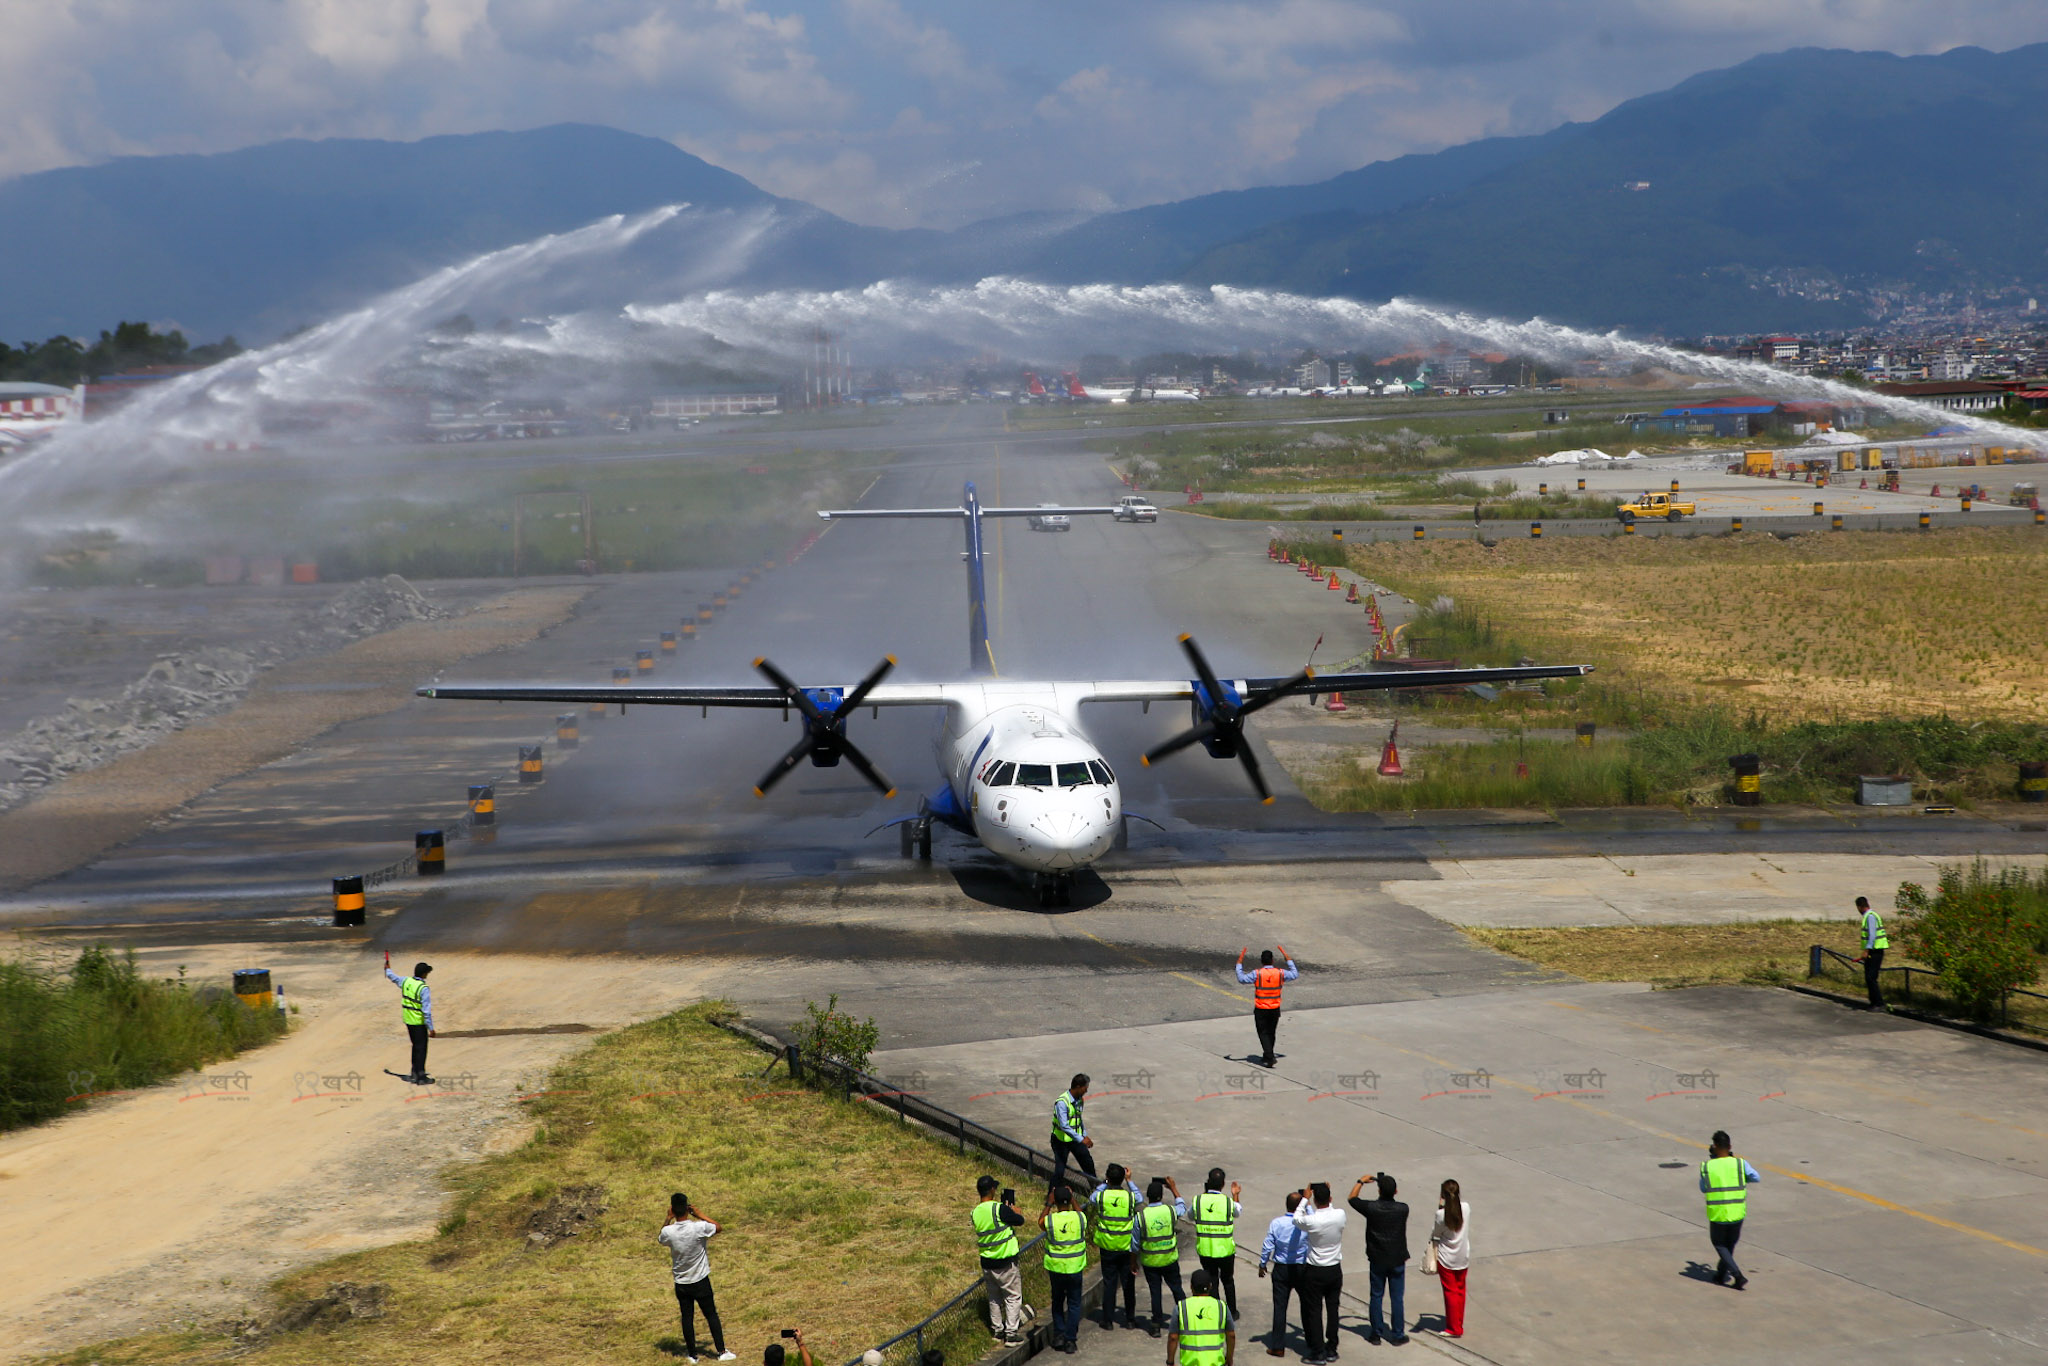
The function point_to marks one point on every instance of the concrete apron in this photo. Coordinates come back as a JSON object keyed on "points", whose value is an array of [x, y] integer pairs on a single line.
{"points": [[1900, 1216]]}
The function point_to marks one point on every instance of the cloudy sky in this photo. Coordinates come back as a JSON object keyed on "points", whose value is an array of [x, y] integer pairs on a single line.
{"points": [[901, 112]]}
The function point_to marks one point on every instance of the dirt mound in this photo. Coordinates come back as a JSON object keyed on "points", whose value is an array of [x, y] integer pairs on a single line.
{"points": [[342, 1302], [570, 1211]]}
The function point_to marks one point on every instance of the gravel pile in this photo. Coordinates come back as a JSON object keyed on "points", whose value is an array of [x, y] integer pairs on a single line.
{"points": [[178, 689]]}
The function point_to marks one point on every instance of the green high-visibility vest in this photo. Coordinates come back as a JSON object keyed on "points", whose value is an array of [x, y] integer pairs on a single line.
{"points": [[1215, 1225], [1066, 1241], [1198, 1323], [1158, 1245], [1113, 1220], [409, 993], [998, 1240], [1874, 936], [1074, 1118], [1727, 1192]]}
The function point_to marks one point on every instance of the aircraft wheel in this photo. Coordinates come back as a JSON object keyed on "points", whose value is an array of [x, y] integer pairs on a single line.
{"points": [[924, 840]]}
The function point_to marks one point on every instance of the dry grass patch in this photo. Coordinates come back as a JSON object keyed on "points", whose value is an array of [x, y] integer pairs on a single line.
{"points": [[1851, 625], [1767, 951], [839, 1221]]}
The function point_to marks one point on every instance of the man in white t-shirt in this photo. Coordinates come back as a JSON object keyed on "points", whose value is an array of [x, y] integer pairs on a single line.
{"points": [[1322, 1273], [684, 1235]]}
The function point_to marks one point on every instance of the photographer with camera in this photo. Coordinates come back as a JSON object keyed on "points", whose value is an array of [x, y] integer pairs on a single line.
{"points": [[774, 1353], [995, 1224], [684, 1235]]}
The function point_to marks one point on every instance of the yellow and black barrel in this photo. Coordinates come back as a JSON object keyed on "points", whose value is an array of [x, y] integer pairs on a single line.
{"points": [[689, 628], [1749, 782], [349, 902], [1421, 532], [252, 988], [621, 677], [1818, 507], [1966, 502], [2040, 517], [1674, 486], [566, 733], [432, 851], [719, 601], [668, 642], [1926, 521], [1583, 733], [1735, 524], [1336, 535], [2033, 781], [594, 712], [1835, 522], [1535, 531], [1582, 486], [1628, 528], [1543, 490], [704, 610], [643, 661], [483, 804], [529, 763]]}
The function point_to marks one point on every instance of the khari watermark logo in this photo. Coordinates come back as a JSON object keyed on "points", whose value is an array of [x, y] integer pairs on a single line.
{"points": [[1364, 1083], [449, 1086], [342, 1086], [216, 1086], [1138, 1083], [1591, 1084], [1023, 1083], [1443, 1083], [1231, 1085], [1667, 1084]]}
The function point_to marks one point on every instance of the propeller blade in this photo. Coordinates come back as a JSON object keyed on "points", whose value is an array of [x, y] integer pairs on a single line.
{"points": [[1205, 731], [798, 698], [1203, 671], [1251, 769], [859, 694], [797, 754], [866, 769], [1272, 695]]}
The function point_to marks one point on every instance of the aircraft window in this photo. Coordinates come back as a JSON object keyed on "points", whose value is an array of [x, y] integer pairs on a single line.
{"points": [[1034, 775], [1001, 775], [1101, 772], [1075, 775]]}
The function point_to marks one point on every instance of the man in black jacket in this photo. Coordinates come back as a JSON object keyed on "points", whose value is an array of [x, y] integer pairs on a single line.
{"points": [[1386, 1252]]}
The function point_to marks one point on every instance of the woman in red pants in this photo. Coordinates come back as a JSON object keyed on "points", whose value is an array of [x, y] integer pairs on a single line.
{"points": [[1451, 1239]]}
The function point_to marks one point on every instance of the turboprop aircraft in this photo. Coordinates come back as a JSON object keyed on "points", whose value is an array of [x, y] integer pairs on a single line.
{"points": [[1017, 770]]}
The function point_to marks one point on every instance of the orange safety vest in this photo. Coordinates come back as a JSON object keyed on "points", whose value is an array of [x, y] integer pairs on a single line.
{"points": [[1266, 988]]}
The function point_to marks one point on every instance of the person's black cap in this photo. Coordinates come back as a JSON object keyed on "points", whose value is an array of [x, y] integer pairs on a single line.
{"points": [[422, 969]]}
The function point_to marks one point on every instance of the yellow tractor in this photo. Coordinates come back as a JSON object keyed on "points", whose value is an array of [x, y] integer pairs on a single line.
{"points": [[1656, 505]]}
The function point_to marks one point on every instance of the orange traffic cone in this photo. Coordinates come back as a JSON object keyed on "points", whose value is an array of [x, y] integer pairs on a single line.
{"points": [[1390, 757], [1336, 703], [1352, 596], [1333, 585]]}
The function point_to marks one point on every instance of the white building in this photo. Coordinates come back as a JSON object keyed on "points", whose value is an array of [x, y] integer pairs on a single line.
{"points": [[31, 411], [713, 405]]}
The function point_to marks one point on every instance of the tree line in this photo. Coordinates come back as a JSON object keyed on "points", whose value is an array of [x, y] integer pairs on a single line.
{"points": [[130, 346]]}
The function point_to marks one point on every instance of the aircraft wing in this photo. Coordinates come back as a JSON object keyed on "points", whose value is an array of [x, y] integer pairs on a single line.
{"points": [[1375, 681], [837, 514], [665, 695], [1047, 512]]}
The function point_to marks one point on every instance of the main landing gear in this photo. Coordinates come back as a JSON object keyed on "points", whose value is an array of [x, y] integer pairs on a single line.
{"points": [[1054, 889], [914, 837]]}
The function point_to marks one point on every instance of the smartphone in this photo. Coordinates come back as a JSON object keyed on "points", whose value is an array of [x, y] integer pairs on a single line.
{"points": [[1009, 1196], [789, 1332]]}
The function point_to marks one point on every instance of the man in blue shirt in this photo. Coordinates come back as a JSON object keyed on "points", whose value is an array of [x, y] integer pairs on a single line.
{"points": [[1285, 1249], [1070, 1131], [416, 1003]]}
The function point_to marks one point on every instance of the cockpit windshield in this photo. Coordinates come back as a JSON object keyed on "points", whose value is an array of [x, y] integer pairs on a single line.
{"points": [[1075, 775], [1034, 775]]}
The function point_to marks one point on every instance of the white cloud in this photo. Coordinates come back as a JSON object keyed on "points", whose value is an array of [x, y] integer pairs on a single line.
{"points": [[908, 111]]}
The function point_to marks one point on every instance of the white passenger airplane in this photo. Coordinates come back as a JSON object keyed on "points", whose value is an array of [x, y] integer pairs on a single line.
{"points": [[1018, 770]]}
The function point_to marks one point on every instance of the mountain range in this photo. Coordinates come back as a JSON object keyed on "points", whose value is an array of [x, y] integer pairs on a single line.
{"points": [[1805, 189]]}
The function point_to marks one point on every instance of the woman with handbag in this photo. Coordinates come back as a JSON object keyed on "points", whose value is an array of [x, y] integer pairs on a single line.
{"points": [[1450, 1255]]}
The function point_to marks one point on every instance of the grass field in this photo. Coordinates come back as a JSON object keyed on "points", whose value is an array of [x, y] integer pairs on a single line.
{"points": [[1767, 951], [839, 1221], [1854, 625]]}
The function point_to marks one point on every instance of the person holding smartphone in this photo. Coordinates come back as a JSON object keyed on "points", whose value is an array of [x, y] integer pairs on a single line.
{"points": [[996, 1222], [684, 1234], [774, 1354]]}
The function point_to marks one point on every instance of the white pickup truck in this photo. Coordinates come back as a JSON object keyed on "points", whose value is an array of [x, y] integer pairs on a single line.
{"points": [[1132, 508]]}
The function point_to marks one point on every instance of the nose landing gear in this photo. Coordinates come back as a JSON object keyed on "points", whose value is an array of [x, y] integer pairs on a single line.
{"points": [[1054, 889]]}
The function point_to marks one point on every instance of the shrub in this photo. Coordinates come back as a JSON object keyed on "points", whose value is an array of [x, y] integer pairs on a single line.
{"points": [[826, 1032], [1975, 931]]}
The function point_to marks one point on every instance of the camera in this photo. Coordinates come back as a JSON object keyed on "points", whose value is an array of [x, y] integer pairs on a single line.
{"points": [[1009, 1196], [789, 1332]]}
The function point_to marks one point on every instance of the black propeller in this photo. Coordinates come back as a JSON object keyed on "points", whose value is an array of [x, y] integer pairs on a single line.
{"points": [[1222, 727], [824, 742]]}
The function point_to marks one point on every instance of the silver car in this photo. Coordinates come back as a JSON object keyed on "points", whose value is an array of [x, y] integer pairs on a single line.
{"points": [[1049, 521]]}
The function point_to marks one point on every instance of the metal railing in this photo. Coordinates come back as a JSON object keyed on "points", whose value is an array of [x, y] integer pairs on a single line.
{"points": [[1818, 954]]}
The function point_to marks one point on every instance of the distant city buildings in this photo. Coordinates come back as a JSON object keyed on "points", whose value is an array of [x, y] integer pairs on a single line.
{"points": [[714, 404]]}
